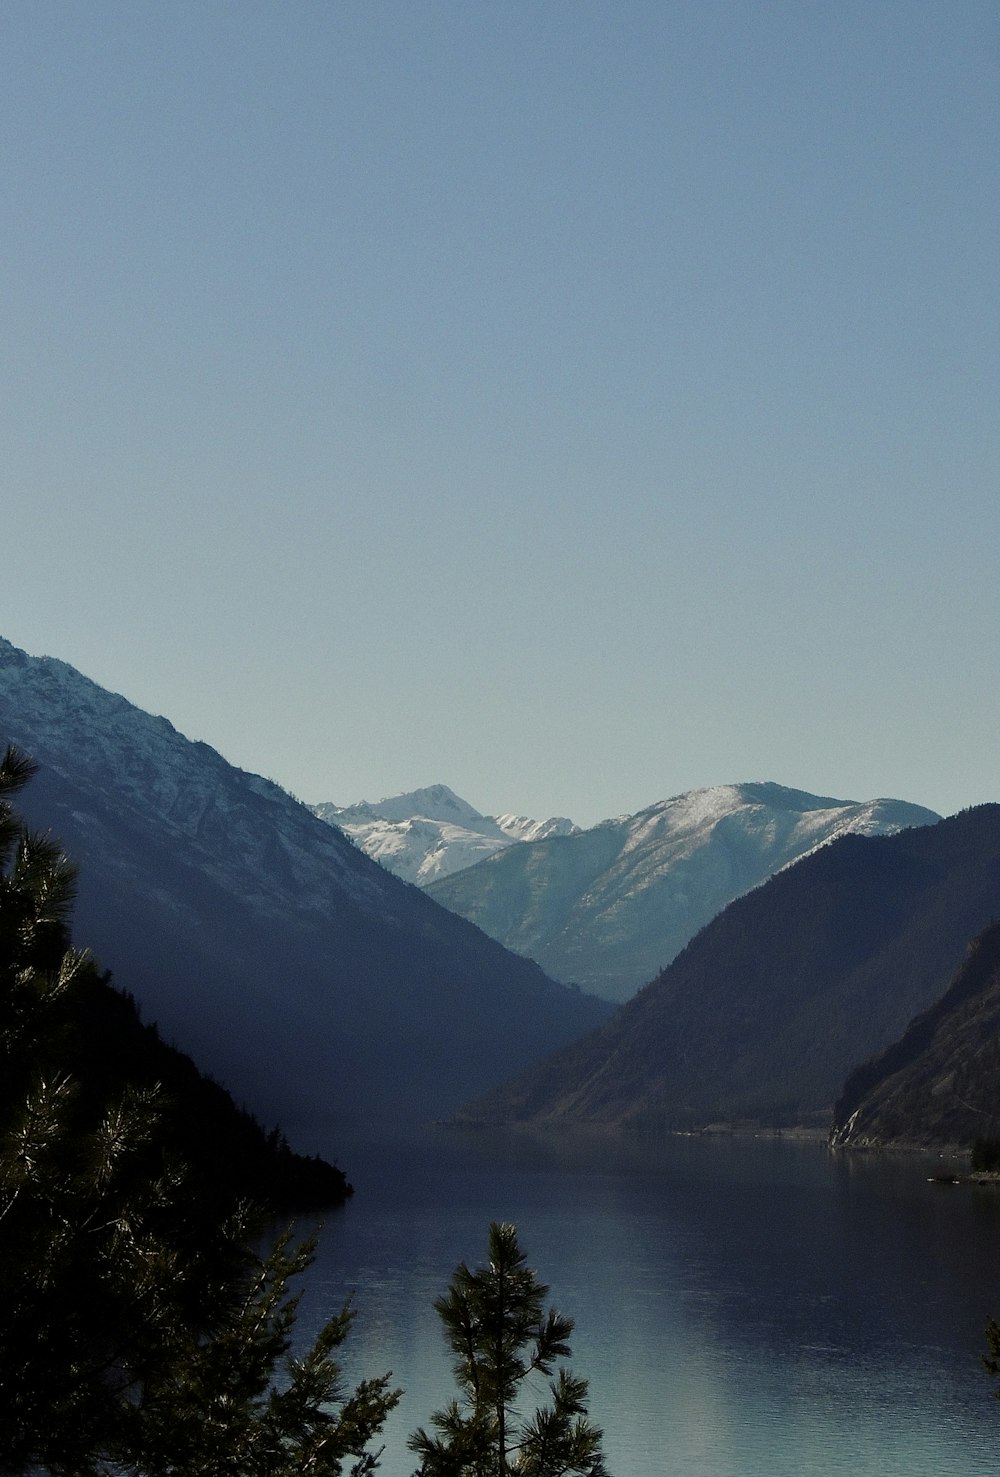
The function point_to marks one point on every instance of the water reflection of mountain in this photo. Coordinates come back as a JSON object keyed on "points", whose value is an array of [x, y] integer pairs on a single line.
{"points": [[743, 1306]]}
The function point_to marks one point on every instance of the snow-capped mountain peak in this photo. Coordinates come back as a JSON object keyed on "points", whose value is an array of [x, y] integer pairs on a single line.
{"points": [[430, 833], [433, 803], [611, 905], [523, 828]]}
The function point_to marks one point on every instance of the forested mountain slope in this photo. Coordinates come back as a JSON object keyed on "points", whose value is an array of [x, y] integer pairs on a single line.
{"points": [[939, 1084], [762, 1016], [296, 970], [609, 907]]}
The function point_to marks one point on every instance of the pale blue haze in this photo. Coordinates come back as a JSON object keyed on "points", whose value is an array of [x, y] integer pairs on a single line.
{"points": [[576, 403]]}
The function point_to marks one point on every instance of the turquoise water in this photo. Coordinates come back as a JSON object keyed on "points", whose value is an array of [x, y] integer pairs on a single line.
{"points": [[742, 1306]]}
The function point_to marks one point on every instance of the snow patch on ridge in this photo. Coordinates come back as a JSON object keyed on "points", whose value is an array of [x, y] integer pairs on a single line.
{"points": [[430, 833], [144, 763], [612, 905]]}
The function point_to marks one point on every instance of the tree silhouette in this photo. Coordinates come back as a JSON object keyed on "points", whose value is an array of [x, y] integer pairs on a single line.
{"points": [[496, 1324], [141, 1333]]}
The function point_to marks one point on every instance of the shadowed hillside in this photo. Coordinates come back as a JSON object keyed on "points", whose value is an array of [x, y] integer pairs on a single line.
{"points": [[766, 1011], [939, 1085], [294, 968]]}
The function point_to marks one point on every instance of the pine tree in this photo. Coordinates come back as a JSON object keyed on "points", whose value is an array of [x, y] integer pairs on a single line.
{"points": [[141, 1333], [992, 1360], [496, 1325]]}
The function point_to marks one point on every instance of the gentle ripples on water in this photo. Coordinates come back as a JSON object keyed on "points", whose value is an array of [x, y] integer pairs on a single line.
{"points": [[744, 1308]]}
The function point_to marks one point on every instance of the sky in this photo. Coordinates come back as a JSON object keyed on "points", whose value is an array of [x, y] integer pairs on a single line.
{"points": [[572, 402]]}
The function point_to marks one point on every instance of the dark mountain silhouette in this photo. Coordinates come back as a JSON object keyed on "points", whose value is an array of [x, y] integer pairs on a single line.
{"points": [[105, 1046], [765, 1012], [294, 969], [939, 1084], [76, 1060]]}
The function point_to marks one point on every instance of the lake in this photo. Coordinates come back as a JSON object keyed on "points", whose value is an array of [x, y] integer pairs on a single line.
{"points": [[743, 1306]]}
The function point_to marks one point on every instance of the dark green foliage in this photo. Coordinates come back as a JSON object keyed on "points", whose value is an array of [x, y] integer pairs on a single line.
{"points": [[500, 1333], [986, 1155], [94, 1034], [225, 1147], [141, 1332], [992, 1360]]}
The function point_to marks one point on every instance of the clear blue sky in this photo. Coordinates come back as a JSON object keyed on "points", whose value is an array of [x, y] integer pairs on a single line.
{"points": [[573, 402]]}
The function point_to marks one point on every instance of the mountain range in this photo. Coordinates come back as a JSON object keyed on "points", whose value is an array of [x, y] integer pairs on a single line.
{"points": [[319, 986], [297, 971], [762, 1016], [607, 908], [427, 834]]}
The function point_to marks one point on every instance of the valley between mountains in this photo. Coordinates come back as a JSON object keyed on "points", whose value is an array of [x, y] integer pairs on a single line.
{"points": [[726, 956]]}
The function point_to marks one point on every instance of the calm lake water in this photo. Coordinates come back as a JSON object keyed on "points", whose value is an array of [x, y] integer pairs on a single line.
{"points": [[742, 1306]]}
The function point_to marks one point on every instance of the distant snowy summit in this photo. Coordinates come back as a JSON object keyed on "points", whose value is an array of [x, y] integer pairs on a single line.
{"points": [[428, 834], [608, 907]]}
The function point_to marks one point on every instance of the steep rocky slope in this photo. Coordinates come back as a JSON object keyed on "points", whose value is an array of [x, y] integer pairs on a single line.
{"points": [[296, 970], [939, 1084]]}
